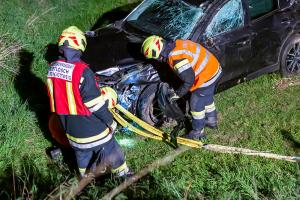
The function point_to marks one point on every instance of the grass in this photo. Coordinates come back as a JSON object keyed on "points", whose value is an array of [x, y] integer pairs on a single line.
{"points": [[256, 114]]}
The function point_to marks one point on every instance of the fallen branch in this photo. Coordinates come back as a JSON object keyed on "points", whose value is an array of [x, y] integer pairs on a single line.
{"points": [[68, 189], [156, 164]]}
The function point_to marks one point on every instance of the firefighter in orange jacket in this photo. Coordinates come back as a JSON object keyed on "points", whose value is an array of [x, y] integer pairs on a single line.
{"points": [[198, 69], [82, 110]]}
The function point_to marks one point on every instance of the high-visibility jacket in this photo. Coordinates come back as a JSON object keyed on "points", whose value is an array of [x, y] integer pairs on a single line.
{"points": [[65, 97], [77, 100], [188, 54]]}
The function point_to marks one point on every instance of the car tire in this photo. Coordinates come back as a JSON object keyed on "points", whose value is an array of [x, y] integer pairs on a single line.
{"points": [[290, 57], [146, 104]]}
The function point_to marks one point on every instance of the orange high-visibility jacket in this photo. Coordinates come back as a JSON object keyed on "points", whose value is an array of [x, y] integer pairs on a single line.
{"points": [[192, 55]]}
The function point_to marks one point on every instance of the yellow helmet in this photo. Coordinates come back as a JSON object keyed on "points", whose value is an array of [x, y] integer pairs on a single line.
{"points": [[110, 95], [152, 46], [75, 38]]}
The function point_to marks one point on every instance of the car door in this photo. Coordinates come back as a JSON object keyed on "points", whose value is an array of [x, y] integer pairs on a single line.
{"points": [[268, 28], [226, 35]]}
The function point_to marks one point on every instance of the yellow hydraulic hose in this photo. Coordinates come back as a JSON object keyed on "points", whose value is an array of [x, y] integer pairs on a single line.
{"points": [[151, 132], [126, 124], [155, 131]]}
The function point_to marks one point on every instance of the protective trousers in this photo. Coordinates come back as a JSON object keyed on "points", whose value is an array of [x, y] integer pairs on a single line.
{"points": [[202, 106], [108, 154]]}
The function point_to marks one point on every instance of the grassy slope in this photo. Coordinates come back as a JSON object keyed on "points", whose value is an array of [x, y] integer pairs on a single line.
{"points": [[255, 115]]}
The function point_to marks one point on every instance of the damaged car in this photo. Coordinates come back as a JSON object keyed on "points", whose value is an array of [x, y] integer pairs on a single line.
{"points": [[249, 37]]}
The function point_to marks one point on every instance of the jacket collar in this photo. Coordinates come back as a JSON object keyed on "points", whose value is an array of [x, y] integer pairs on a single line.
{"points": [[70, 55], [169, 46]]}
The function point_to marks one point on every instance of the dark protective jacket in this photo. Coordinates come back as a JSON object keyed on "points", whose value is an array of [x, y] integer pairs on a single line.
{"points": [[75, 97], [195, 65]]}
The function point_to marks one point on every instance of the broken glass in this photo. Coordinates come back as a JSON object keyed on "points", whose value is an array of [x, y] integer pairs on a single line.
{"points": [[170, 19], [229, 17]]}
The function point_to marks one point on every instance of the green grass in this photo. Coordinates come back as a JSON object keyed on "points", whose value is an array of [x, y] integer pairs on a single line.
{"points": [[255, 115]]}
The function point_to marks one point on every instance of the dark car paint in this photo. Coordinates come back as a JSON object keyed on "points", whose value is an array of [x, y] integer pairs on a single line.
{"points": [[109, 48], [249, 55]]}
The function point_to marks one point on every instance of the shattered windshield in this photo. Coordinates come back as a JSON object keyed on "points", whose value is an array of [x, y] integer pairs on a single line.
{"points": [[168, 18]]}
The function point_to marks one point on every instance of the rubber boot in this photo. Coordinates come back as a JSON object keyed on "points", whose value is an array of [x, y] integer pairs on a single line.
{"points": [[196, 135], [211, 121]]}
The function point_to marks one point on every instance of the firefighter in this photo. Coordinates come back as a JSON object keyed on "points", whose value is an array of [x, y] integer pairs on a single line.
{"points": [[199, 70], [82, 109]]}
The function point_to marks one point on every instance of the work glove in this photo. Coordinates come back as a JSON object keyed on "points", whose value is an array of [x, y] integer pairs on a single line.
{"points": [[172, 96]]}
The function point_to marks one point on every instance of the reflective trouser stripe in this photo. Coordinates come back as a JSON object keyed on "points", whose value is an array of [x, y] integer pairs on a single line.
{"points": [[210, 108], [71, 99], [198, 115], [92, 144], [88, 139], [121, 170], [50, 89], [82, 171]]}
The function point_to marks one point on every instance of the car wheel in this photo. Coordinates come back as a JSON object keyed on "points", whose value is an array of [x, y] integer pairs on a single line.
{"points": [[147, 107], [290, 57]]}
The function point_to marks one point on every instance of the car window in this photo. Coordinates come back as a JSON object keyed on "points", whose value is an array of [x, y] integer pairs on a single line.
{"points": [[259, 8], [229, 17], [168, 18]]}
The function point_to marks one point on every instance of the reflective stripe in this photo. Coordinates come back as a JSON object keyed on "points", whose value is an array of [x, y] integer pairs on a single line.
{"points": [[181, 64], [50, 88], [196, 55], [71, 99], [183, 68], [215, 77], [91, 145], [95, 101], [178, 52], [82, 170], [89, 139], [119, 169], [81, 80], [97, 107], [203, 64], [210, 108], [198, 115], [114, 125]]}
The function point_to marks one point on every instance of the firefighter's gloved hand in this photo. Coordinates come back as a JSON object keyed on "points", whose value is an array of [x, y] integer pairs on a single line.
{"points": [[172, 96]]}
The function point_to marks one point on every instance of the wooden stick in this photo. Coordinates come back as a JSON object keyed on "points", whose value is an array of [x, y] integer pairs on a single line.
{"points": [[156, 164]]}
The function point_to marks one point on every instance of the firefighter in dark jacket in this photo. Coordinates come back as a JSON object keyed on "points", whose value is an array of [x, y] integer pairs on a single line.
{"points": [[82, 110], [198, 69]]}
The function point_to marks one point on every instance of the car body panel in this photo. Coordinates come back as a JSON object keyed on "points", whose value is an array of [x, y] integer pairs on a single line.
{"points": [[252, 49]]}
